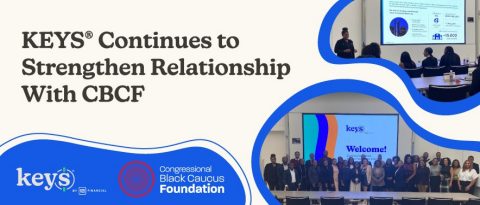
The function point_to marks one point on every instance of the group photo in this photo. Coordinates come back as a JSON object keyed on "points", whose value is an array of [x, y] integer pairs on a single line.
{"points": [[349, 148]]}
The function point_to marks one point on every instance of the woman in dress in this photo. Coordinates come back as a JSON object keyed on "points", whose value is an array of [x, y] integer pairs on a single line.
{"points": [[356, 178], [378, 176], [454, 171], [411, 171], [335, 174], [367, 173], [422, 177]]}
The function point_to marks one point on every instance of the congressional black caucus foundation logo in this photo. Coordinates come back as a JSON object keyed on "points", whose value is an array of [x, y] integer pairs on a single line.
{"points": [[136, 179]]}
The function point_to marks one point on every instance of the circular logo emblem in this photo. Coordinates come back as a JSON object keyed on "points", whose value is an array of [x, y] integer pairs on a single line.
{"points": [[136, 179], [399, 27]]}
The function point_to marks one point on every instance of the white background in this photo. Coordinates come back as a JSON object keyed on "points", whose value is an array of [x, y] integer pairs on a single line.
{"points": [[228, 110]]}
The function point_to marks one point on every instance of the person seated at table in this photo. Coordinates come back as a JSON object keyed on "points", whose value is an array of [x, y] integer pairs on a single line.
{"points": [[454, 171], [475, 86], [356, 178], [400, 178], [467, 178], [326, 176], [406, 61], [449, 58], [291, 178], [378, 176], [429, 60], [422, 177], [372, 50], [435, 178], [272, 173], [314, 175]]}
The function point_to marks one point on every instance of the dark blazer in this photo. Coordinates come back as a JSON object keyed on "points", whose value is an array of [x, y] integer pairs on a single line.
{"points": [[430, 62], [450, 59], [475, 166], [287, 180], [343, 45], [326, 174], [475, 86], [401, 178], [273, 174]]}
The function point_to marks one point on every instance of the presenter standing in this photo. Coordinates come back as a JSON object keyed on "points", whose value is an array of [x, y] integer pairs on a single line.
{"points": [[344, 47]]}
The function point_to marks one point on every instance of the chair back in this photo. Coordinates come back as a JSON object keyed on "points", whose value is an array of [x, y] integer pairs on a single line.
{"points": [[440, 201], [472, 201], [448, 93], [332, 200], [413, 201], [431, 72], [460, 70], [298, 201], [414, 73], [381, 200]]}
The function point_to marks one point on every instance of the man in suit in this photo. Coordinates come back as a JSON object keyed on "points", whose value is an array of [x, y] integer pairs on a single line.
{"points": [[291, 178], [296, 160], [272, 174], [474, 165], [325, 157]]}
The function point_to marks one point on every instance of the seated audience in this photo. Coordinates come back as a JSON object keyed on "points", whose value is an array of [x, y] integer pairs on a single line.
{"points": [[475, 86], [429, 60], [450, 58], [371, 51], [406, 61]]}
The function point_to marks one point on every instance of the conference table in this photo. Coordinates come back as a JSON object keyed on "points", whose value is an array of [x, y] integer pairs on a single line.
{"points": [[423, 83], [397, 196]]}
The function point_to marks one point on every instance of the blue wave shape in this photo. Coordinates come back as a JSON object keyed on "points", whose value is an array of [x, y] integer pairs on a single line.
{"points": [[339, 86], [439, 108], [96, 168]]}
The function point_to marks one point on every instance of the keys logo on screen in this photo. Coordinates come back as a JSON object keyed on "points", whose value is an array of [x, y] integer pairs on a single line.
{"points": [[63, 179]]}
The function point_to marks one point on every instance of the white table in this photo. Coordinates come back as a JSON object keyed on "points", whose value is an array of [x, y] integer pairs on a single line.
{"points": [[424, 82], [397, 196]]}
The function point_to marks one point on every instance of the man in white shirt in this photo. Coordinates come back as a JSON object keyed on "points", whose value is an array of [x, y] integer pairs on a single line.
{"points": [[467, 178], [291, 178]]}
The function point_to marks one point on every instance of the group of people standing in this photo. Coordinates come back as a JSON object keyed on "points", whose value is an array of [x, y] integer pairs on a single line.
{"points": [[412, 174]]}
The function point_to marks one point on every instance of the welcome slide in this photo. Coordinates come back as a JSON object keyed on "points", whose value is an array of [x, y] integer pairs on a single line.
{"points": [[350, 135], [423, 21]]}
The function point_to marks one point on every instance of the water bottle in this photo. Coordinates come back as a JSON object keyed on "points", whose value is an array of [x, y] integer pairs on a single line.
{"points": [[451, 75]]}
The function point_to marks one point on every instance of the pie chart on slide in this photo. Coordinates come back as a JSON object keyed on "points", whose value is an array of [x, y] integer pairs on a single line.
{"points": [[399, 27]]}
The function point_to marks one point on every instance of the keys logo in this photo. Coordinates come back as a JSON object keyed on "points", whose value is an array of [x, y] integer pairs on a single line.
{"points": [[357, 129], [63, 179]]}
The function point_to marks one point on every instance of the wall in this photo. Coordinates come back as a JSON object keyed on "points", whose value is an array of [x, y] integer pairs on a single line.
{"points": [[352, 17], [279, 142]]}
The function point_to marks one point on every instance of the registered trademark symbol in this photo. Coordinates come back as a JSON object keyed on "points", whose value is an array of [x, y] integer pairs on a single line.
{"points": [[89, 34]]}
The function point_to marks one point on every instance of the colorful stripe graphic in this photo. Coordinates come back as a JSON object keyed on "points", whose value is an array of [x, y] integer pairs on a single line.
{"points": [[332, 134]]}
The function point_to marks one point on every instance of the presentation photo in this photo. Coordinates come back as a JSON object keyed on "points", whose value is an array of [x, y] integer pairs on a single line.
{"points": [[316, 102], [433, 43]]}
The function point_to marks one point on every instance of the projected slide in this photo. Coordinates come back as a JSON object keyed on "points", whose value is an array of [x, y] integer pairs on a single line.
{"points": [[350, 135], [423, 22]]}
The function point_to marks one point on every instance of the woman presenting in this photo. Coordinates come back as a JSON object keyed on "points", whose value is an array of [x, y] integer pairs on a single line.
{"points": [[344, 47]]}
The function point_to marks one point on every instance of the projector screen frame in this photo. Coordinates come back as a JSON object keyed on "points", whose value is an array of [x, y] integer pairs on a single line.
{"points": [[406, 44], [358, 114]]}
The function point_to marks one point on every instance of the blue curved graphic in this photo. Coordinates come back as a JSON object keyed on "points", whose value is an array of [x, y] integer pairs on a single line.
{"points": [[60, 172], [338, 86], [322, 135], [426, 104]]}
